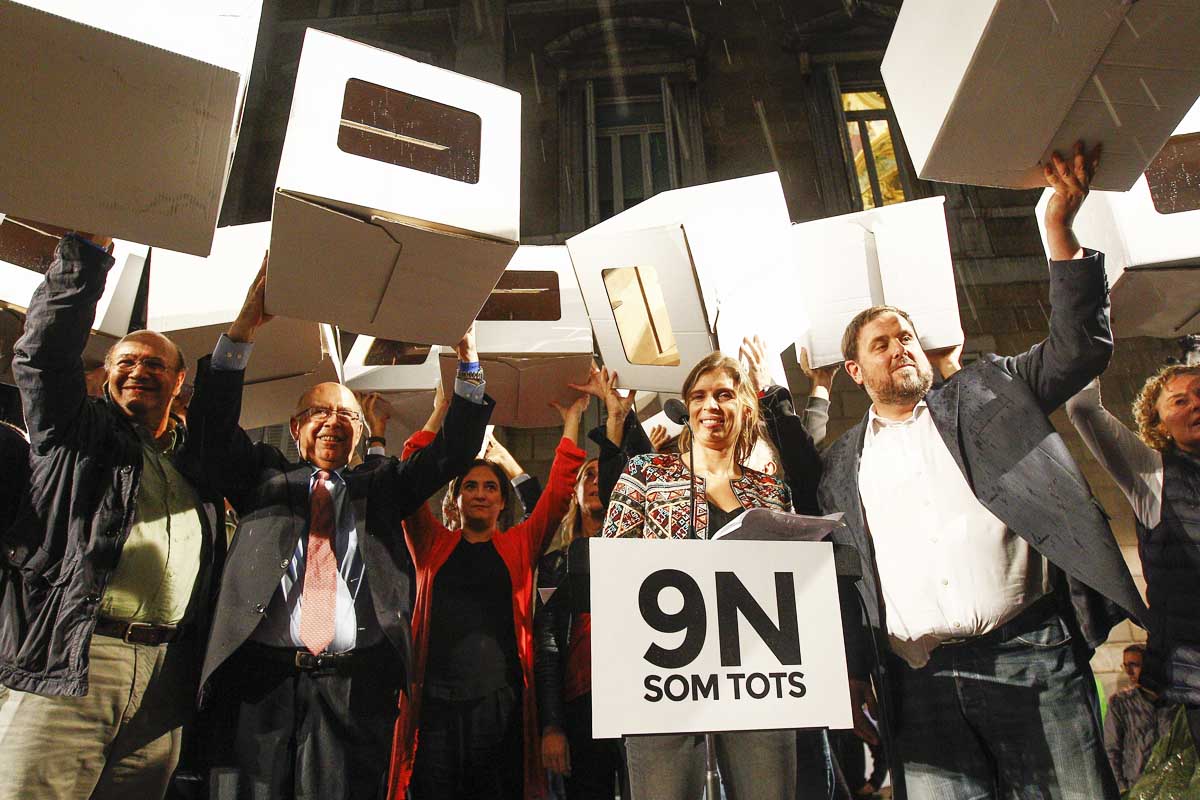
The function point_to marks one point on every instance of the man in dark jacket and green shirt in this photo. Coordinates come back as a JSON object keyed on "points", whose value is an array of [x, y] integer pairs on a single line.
{"points": [[106, 577]]}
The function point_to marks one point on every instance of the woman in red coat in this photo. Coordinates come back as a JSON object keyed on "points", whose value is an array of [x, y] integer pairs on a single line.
{"points": [[467, 727]]}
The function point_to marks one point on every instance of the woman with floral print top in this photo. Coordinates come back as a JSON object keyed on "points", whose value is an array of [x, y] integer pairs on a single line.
{"points": [[651, 500]]}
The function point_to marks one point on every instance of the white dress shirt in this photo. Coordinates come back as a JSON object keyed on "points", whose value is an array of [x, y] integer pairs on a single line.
{"points": [[281, 624], [948, 568]]}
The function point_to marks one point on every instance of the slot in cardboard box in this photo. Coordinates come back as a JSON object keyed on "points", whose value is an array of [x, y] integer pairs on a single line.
{"points": [[397, 200], [536, 307], [1148, 237], [986, 90], [122, 117], [26, 250], [685, 272], [896, 255], [193, 300]]}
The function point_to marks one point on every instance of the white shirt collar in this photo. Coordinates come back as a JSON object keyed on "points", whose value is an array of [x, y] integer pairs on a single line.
{"points": [[875, 423]]}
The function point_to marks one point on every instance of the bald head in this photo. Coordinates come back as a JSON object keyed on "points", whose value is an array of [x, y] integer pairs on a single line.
{"points": [[327, 425], [152, 339]]}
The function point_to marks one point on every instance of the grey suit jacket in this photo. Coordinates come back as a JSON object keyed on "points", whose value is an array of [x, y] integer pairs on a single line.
{"points": [[992, 417]]}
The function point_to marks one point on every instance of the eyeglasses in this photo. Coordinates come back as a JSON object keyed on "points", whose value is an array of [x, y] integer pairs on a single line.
{"points": [[150, 364], [321, 414]]}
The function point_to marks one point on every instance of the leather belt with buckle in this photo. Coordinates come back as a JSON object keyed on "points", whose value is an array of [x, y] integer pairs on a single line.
{"points": [[138, 632], [307, 661]]}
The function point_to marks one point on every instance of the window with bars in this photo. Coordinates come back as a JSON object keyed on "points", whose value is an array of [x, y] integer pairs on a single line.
{"points": [[872, 163], [630, 144]]}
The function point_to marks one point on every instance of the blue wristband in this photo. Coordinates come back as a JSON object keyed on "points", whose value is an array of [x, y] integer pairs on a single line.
{"points": [[468, 366]]}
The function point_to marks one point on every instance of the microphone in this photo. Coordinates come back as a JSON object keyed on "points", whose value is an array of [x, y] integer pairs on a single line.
{"points": [[677, 412]]}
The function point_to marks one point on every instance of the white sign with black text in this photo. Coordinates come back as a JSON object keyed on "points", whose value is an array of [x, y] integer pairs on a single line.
{"points": [[700, 636]]}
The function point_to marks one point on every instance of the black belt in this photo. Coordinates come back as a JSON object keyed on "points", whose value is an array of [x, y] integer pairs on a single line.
{"points": [[139, 632], [304, 660], [1032, 617]]}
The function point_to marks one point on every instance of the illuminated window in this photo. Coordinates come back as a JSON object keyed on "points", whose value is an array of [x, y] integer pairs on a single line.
{"points": [[389, 353], [1174, 175], [408, 131], [641, 313], [871, 151], [28, 244], [525, 295]]}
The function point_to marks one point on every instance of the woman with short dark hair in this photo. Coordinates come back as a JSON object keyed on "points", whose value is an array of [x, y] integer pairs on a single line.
{"points": [[468, 726]]}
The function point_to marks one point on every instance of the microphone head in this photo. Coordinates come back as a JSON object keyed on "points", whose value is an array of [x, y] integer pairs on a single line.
{"points": [[676, 411]]}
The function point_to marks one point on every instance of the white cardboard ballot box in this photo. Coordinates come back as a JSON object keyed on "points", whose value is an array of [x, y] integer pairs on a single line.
{"points": [[25, 254], [391, 367], [397, 200], [896, 255], [122, 117], [523, 386], [683, 273], [193, 300], [986, 90], [1149, 239], [534, 337]]}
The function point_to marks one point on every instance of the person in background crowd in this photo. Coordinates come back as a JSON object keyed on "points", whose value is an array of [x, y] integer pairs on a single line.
{"points": [[1158, 471], [1137, 719], [468, 727], [723, 411], [105, 579], [990, 572], [311, 640], [527, 486], [562, 666]]}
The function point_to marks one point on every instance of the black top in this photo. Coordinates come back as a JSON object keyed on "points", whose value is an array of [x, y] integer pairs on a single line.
{"points": [[472, 644], [718, 518]]}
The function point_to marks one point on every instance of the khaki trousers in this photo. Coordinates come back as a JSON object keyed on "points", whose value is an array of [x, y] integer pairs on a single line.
{"points": [[121, 741]]}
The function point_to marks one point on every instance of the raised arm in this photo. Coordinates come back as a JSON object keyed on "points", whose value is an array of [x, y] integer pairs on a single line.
{"points": [[407, 483], [230, 459], [801, 462], [1136, 467], [46, 359], [1080, 342], [544, 520]]}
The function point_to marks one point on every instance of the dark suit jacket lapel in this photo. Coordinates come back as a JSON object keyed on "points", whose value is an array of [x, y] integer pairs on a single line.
{"points": [[847, 499], [298, 479], [942, 402]]}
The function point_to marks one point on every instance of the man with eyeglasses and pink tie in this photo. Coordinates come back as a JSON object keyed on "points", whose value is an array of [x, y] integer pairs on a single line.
{"points": [[311, 638]]}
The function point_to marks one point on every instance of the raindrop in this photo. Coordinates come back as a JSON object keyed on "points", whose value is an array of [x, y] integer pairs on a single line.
{"points": [[728, 57], [1053, 13], [537, 84], [1149, 94], [1112, 111]]}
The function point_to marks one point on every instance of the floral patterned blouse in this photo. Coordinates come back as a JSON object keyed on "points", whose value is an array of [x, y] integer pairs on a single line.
{"points": [[651, 498]]}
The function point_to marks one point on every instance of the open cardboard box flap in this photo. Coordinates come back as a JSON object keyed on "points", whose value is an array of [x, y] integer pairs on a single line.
{"points": [[381, 277], [523, 387], [1018, 80], [158, 142]]}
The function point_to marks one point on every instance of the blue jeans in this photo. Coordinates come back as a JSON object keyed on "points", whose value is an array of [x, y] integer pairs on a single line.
{"points": [[1010, 715]]}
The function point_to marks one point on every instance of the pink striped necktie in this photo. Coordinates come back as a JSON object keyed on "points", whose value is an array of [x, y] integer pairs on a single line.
{"points": [[319, 598]]}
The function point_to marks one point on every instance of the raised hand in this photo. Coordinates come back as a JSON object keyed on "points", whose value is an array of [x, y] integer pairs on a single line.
{"points": [[571, 415], [1071, 180], [658, 437], [376, 413], [466, 346], [753, 354], [603, 384], [820, 378], [253, 314]]}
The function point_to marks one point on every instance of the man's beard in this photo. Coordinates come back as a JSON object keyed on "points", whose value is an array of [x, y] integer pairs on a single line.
{"points": [[909, 387]]}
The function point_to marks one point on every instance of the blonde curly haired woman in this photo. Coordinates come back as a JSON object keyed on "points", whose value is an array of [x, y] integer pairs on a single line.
{"points": [[1158, 470]]}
